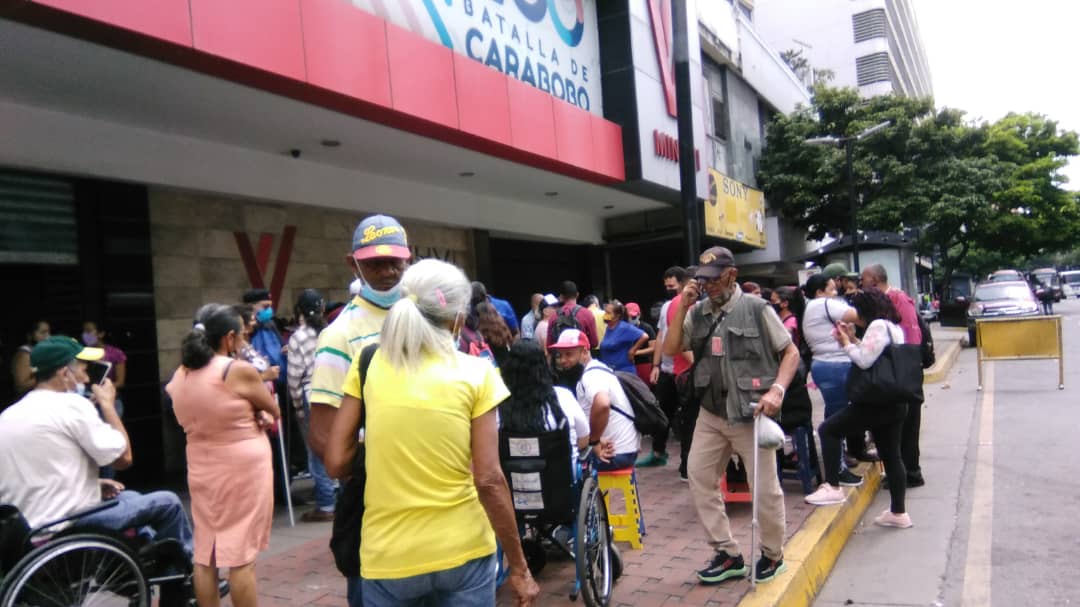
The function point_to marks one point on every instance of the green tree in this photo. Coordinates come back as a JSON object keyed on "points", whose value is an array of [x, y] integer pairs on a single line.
{"points": [[979, 194], [809, 184]]}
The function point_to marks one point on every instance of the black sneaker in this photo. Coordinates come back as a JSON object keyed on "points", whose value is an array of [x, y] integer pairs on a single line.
{"points": [[767, 569], [723, 567], [915, 480], [850, 479]]}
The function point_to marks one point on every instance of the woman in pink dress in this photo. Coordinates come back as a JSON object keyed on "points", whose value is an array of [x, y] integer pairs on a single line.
{"points": [[224, 408]]}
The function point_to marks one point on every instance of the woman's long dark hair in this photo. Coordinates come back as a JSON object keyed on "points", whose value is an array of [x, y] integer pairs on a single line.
{"points": [[527, 374], [817, 282], [212, 323], [795, 301], [872, 304]]}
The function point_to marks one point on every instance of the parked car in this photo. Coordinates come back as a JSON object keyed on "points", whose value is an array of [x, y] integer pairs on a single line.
{"points": [[1070, 283], [1047, 278], [996, 299]]}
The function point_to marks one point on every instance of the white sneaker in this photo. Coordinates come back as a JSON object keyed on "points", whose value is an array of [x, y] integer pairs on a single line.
{"points": [[888, 519], [826, 495]]}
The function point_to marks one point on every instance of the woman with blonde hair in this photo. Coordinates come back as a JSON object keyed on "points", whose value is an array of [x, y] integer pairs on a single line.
{"points": [[435, 488]]}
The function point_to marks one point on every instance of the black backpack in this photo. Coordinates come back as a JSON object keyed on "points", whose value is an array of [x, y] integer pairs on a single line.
{"points": [[647, 416], [565, 321], [927, 344]]}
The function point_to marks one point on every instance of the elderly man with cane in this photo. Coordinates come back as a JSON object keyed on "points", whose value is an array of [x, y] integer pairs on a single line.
{"points": [[746, 361]]}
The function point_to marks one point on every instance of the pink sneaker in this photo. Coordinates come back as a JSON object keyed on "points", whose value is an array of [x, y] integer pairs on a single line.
{"points": [[826, 495], [888, 519]]}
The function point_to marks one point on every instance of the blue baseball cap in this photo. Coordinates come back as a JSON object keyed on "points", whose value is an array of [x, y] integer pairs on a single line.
{"points": [[380, 236]]}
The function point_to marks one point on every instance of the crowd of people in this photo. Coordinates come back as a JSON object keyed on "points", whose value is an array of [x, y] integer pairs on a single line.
{"points": [[400, 395]]}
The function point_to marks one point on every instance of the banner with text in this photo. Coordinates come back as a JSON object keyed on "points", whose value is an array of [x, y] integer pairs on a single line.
{"points": [[734, 211], [551, 44]]}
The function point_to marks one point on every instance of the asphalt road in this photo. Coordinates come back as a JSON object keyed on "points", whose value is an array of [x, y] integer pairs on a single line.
{"points": [[997, 522]]}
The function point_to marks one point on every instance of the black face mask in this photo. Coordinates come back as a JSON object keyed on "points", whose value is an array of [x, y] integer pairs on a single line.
{"points": [[671, 293], [776, 307], [569, 378]]}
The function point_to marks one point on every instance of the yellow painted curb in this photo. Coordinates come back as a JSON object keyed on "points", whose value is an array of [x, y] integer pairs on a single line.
{"points": [[941, 368], [812, 552]]}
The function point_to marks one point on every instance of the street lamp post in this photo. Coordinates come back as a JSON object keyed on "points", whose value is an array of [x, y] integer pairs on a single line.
{"points": [[848, 143]]}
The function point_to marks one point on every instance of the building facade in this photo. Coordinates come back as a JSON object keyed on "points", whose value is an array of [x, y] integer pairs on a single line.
{"points": [[871, 45], [161, 155]]}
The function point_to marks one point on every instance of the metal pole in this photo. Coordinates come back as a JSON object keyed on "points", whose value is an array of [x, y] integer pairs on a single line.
{"points": [[753, 502], [285, 476], [849, 145], [684, 106]]}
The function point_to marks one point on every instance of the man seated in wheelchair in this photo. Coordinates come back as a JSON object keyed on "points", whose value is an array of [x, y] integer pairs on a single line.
{"points": [[53, 441], [614, 440]]}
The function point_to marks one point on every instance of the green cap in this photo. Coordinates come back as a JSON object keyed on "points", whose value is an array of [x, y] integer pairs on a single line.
{"points": [[835, 270], [58, 351]]}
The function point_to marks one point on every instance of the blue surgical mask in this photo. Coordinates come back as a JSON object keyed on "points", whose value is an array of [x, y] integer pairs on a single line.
{"points": [[383, 299], [265, 315]]}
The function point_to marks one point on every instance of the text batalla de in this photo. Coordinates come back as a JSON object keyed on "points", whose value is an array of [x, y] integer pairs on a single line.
{"points": [[510, 45]]}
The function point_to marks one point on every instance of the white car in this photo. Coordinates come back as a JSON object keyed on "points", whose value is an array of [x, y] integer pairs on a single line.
{"points": [[1070, 283]]}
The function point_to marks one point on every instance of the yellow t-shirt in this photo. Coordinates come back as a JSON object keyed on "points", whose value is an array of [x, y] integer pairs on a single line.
{"points": [[358, 325], [601, 325], [421, 510]]}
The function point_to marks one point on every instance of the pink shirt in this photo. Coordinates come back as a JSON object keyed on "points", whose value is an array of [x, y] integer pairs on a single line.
{"points": [[909, 317]]}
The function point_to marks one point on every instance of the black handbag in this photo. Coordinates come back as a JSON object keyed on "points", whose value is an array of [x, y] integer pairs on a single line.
{"points": [[895, 377], [349, 509]]}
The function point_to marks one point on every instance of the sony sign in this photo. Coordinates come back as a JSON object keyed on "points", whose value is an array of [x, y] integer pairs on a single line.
{"points": [[552, 45]]}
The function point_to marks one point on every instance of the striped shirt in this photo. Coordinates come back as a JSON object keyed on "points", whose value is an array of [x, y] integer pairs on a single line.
{"points": [[302, 346], [358, 325]]}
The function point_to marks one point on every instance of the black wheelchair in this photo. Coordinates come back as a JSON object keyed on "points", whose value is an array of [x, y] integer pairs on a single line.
{"points": [[83, 566], [553, 492]]}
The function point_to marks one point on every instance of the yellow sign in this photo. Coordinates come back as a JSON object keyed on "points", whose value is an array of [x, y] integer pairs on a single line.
{"points": [[1020, 338], [734, 211]]}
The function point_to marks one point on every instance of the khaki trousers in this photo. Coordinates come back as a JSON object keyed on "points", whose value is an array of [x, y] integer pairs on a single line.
{"points": [[715, 440]]}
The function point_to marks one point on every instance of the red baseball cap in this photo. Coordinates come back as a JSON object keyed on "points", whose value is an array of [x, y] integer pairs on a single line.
{"points": [[569, 339]]}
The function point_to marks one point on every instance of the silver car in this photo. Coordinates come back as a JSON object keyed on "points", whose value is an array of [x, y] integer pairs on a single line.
{"points": [[994, 299]]}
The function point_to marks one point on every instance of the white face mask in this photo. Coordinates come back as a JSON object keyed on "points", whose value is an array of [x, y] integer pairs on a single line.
{"points": [[383, 299]]}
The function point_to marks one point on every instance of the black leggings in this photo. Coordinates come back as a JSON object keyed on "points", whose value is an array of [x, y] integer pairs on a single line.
{"points": [[885, 421]]}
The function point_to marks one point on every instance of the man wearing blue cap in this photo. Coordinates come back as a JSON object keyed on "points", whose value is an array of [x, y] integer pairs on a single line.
{"points": [[380, 254], [53, 441]]}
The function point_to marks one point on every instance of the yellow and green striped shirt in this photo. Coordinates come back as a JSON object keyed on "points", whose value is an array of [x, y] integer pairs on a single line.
{"points": [[358, 325]]}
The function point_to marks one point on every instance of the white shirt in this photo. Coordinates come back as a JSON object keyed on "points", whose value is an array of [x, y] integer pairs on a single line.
{"points": [[879, 335], [817, 329], [667, 363], [51, 446], [578, 423], [620, 429]]}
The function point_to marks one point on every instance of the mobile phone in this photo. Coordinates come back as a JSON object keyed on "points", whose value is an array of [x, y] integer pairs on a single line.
{"points": [[98, 371]]}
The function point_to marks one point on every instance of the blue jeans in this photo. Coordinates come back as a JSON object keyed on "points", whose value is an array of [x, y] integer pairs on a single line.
{"points": [[325, 487], [154, 515], [621, 461], [831, 379], [470, 585]]}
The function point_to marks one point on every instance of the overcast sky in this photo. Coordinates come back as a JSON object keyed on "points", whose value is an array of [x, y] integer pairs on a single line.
{"points": [[990, 57]]}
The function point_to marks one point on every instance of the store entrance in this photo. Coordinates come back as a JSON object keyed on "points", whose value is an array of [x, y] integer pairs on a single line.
{"points": [[75, 250]]}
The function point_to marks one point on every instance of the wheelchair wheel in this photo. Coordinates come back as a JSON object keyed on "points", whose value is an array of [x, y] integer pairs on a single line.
{"points": [[592, 547], [78, 570]]}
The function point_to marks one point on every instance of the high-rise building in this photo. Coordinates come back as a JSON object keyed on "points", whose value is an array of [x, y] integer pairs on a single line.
{"points": [[873, 45]]}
